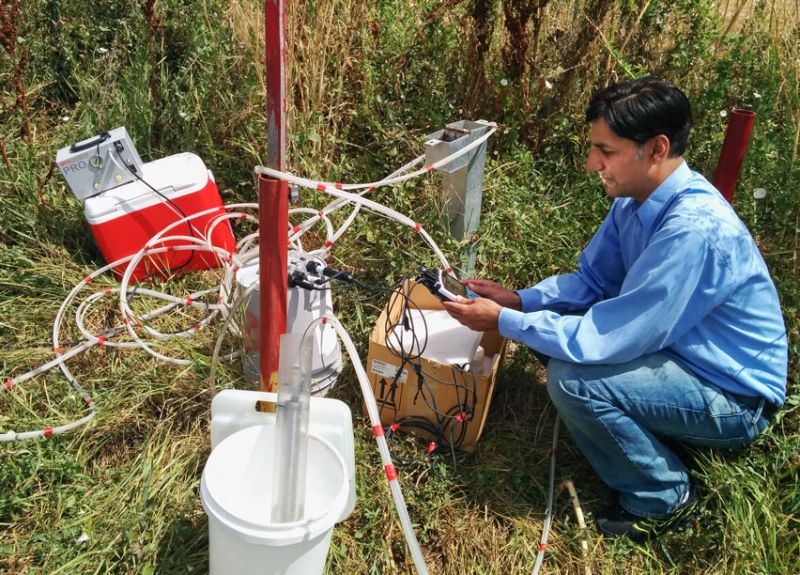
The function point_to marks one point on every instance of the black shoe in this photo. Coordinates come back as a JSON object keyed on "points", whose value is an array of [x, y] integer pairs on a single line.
{"points": [[616, 522]]}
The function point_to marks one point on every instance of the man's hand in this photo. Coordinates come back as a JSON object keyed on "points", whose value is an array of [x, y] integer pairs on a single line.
{"points": [[479, 314], [495, 292]]}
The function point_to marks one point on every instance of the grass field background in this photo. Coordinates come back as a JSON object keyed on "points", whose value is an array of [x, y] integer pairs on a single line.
{"points": [[367, 81]]}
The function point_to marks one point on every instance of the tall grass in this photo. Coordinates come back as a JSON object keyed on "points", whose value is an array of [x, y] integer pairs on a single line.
{"points": [[367, 81]]}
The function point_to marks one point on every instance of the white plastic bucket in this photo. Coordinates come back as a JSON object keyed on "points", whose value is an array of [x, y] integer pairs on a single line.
{"points": [[236, 492], [303, 306]]}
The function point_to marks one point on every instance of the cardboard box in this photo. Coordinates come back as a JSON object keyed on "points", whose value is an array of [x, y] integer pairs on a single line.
{"points": [[440, 402]]}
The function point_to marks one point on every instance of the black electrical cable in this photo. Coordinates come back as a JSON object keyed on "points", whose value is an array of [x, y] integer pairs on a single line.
{"points": [[423, 424], [399, 290], [302, 279], [404, 319], [453, 423], [453, 384], [133, 171], [461, 413], [452, 448]]}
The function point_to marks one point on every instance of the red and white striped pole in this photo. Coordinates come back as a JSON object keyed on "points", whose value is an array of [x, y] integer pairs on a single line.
{"points": [[273, 198]]}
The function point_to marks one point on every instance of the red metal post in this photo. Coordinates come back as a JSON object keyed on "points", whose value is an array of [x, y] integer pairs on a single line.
{"points": [[275, 44], [737, 137], [273, 198], [273, 221]]}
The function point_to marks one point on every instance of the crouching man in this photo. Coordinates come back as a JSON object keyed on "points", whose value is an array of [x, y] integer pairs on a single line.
{"points": [[669, 329]]}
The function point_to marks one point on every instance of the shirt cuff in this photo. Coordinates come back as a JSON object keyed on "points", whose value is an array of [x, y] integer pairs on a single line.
{"points": [[509, 323]]}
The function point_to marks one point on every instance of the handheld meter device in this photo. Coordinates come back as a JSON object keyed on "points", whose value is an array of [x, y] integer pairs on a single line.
{"points": [[107, 160], [441, 284]]}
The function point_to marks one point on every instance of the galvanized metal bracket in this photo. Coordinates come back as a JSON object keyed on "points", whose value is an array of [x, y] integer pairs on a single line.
{"points": [[462, 189]]}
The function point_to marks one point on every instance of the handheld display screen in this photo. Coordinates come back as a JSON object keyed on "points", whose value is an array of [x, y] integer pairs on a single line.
{"points": [[442, 285], [453, 285]]}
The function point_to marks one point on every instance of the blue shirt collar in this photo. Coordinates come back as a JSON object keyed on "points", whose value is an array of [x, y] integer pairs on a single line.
{"points": [[650, 209]]}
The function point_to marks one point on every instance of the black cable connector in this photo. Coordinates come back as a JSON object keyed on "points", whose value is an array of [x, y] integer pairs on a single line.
{"points": [[299, 279], [329, 273]]}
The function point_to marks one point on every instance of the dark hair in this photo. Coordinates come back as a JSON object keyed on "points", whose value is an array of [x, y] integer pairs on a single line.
{"points": [[643, 108]]}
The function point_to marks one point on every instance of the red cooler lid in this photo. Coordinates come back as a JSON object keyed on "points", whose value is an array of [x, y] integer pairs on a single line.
{"points": [[173, 176]]}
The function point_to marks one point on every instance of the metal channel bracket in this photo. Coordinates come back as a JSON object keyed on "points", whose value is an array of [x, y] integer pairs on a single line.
{"points": [[462, 189]]}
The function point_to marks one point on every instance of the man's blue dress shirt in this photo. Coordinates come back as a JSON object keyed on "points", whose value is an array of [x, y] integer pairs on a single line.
{"points": [[678, 273]]}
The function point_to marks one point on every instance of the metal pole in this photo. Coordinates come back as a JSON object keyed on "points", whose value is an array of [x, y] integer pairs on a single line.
{"points": [[275, 44], [273, 207]]}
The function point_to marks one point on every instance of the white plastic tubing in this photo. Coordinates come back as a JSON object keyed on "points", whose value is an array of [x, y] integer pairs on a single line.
{"points": [[339, 190], [147, 338], [142, 336], [383, 448], [548, 515]]}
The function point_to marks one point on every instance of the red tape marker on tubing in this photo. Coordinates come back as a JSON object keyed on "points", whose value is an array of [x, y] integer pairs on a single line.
{"points": [[391, 472]]}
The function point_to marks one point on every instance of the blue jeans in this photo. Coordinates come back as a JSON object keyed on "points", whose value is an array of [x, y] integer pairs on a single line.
{"points": [[617, 414]]}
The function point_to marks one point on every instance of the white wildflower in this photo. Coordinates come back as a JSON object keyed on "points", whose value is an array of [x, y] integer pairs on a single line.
{"points": [[183, 115], [504, 82], [65, 118], [83, 538], [756, 95], [723, 113], [548, 84], [760, 193], [103, 50]]}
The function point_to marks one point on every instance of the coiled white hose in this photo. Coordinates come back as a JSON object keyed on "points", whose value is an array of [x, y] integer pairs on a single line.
{"points": [[231, 262]]}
